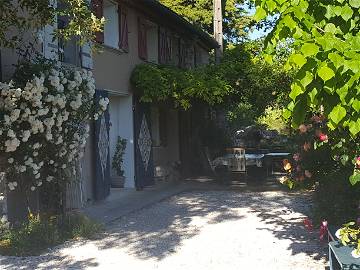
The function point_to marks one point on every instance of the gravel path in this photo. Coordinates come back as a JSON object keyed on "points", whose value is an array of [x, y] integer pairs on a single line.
{"points": [[198, 230]]}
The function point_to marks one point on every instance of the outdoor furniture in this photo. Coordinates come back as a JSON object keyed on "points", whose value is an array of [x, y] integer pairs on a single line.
{"points": [[237, 160], [273, 159], [340, 257]]}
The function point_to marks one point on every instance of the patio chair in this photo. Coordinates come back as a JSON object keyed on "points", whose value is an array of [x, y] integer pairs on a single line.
{"points": [[238, 162]]}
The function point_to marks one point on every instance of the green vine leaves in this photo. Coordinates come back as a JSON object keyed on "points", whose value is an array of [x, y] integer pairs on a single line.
{"points": [[327, 57], [160, 83]]}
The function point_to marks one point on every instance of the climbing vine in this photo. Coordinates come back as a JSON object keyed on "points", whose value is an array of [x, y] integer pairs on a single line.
{"points": [[159, 83]]}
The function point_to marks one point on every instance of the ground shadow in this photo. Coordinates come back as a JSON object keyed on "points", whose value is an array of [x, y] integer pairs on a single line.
{"points": [[158, 231]]}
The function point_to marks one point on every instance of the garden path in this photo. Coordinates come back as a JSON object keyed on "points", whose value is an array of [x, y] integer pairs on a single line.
{"points": [[206, 229]]}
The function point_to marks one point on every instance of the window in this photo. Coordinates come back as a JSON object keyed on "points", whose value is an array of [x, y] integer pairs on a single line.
{"points": [[111, 27], [68, 51], [148, 41]]}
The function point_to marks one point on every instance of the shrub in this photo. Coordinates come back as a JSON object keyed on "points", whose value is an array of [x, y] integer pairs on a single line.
{"points": [[41, 232]]}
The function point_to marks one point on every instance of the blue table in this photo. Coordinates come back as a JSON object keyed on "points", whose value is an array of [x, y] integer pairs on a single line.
{"points": [[340, 257]]}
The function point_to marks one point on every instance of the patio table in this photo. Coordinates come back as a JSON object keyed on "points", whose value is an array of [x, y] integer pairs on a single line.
{"points": [[250, 159], [340, 257]]}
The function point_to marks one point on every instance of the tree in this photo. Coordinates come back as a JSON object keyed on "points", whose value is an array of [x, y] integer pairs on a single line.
{"points": [[17, 17], [326, 59], [200, 13]]}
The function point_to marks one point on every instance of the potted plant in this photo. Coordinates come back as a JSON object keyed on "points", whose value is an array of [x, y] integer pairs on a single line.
{"points": [[118, 180]]}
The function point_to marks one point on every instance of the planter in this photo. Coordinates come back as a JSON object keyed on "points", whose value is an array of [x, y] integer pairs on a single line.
{"points": [[117, 181]]}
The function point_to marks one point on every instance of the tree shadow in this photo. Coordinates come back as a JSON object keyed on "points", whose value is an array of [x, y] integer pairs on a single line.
{"points": [[46, 262], [160, 230]]}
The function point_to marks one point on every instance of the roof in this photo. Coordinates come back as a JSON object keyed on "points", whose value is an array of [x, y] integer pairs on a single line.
{"points": [[169, 15]]}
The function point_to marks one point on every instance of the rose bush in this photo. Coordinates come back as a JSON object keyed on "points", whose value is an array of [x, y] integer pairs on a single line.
{"points": [[44, 115]]}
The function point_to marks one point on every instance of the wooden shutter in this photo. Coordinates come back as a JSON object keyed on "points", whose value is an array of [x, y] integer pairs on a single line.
{"points": [[86, 56], [168, 47], [182, 54], [50, 45], [162, 45], [123, 29], [142, 39], [97, 6]]}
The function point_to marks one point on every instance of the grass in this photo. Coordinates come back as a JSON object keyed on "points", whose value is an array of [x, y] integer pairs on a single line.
{"points": [[41, 232]]}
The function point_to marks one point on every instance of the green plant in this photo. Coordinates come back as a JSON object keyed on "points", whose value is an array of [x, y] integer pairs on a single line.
{"points": [[118, 158], [43, 116], [41, 232], [326, 54], [19, 17], [183, 87], [273, 119]]}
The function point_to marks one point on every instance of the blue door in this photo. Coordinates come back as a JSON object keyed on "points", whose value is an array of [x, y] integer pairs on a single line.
{"points": [[102, 155], [144, 165]]}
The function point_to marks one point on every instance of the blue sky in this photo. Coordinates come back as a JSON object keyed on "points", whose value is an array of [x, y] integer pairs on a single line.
{"points": [[255, 34]]}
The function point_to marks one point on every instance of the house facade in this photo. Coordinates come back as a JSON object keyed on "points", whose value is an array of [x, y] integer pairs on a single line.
{"points": [[135, 32]]}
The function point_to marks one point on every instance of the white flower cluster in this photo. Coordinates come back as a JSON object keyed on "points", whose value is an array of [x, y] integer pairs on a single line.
{"points": [[43, 130]]}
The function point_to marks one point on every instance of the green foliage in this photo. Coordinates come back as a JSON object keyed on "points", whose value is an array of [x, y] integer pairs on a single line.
{"points": [[159, 83], [17, 18], [273, 119], [40, 233], [256, 83], [200, 12], [118, 158], [327, 42]]}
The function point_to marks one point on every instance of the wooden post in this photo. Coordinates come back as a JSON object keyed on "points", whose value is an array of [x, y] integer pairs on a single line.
{"points": [[218, 29]]}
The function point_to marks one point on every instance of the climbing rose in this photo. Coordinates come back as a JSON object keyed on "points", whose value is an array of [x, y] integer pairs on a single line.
{"points": [[307, 146], [358, 162], [323, 137], [302, 128], [296, 157]]}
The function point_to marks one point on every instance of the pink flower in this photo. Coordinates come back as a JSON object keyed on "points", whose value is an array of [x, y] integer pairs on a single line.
{"points": [[307, 146], [308, 174], [297, 157], [323, 137], [298, 168], [323, 229], [308, 224], [302, 128], [358, 162], [317, 118]]}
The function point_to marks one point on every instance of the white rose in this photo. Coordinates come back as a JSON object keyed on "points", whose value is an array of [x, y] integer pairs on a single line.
{"points": [[10, 160]]}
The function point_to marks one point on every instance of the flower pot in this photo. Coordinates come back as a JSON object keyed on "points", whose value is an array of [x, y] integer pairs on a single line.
{"points": [[117, 181]]}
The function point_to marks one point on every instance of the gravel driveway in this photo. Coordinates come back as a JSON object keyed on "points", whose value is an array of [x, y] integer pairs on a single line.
{"points": [[198, 230]]}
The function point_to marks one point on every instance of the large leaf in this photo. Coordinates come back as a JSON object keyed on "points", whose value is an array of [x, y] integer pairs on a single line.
{"points": [[354, 3], [326, 73], [299, 112], [260, 14], [355, 178], [337, 114], [309, 49]]}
